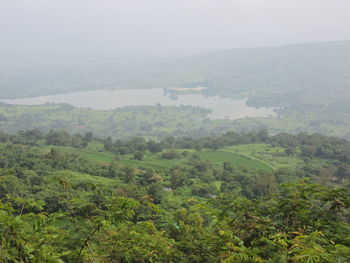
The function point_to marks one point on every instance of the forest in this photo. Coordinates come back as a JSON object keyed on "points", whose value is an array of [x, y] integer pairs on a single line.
{"points": [[159, 122], [235, 197]]}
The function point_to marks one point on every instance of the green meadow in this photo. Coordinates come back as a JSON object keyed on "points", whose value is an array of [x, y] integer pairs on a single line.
{"points": [[219, 157], [252, 156], [273, 157], [75, 177]]}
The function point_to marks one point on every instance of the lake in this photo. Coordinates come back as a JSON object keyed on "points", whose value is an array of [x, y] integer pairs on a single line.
{"points": [[222, 108]]}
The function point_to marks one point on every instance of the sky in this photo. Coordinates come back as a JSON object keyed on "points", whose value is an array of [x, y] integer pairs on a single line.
{"points": [[95, 27]]}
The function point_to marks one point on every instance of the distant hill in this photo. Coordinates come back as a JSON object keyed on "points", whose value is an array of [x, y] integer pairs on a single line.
{"points": [[313, 74], [316, 72]]}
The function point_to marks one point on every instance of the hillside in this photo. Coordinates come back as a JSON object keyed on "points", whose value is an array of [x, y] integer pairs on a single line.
{"points": [[274, 73], [232, 198]]}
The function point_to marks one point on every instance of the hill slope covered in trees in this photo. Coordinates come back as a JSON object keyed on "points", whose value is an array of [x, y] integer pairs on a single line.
{"points": [[76, 198]]}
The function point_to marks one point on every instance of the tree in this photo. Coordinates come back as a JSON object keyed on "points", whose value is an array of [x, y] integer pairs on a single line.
{"points": [[154, 147], [88, 136], [290, 151], [228, 166], [263, 135], [57, 138], [127, 174], [108, 144], [178, 178], [138, 156], [170, 154], [342, 173], [77, 141]]}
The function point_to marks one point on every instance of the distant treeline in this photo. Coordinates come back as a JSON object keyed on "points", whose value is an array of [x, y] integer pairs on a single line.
{"points": [[308, 145]]}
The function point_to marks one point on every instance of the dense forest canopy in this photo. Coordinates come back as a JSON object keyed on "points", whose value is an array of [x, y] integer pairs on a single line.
{"points": [[174, 200]]}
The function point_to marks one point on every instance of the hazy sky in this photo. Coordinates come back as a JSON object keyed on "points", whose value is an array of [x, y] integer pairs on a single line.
{"points": [[163, 26]]}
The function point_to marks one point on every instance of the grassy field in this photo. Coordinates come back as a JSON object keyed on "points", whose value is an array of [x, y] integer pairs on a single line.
{"points": [[219, 157], [238, 156], [75, 177], [153, 161], [106, 158], [273, 157], [99, 157]]}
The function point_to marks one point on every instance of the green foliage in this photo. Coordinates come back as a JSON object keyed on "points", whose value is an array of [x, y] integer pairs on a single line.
{"points": [[66, 204], [138, 156]]}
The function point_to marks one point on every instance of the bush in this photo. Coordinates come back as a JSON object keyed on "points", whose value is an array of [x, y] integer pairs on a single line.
{"points": [[170, 155], [138, 156]]}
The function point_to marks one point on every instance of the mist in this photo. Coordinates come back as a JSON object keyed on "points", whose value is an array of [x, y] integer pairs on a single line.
{"points": [[42, 29]]}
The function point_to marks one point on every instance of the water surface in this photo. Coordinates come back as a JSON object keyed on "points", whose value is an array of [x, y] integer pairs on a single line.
{"points": [[222, 108]]}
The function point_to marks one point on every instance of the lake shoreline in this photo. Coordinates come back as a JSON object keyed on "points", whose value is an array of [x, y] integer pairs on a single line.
{"points": [[222, 107]]}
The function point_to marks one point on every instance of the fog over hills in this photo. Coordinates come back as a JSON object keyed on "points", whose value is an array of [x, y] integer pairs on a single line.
{"points": [[319, 69], [279, 72]]}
